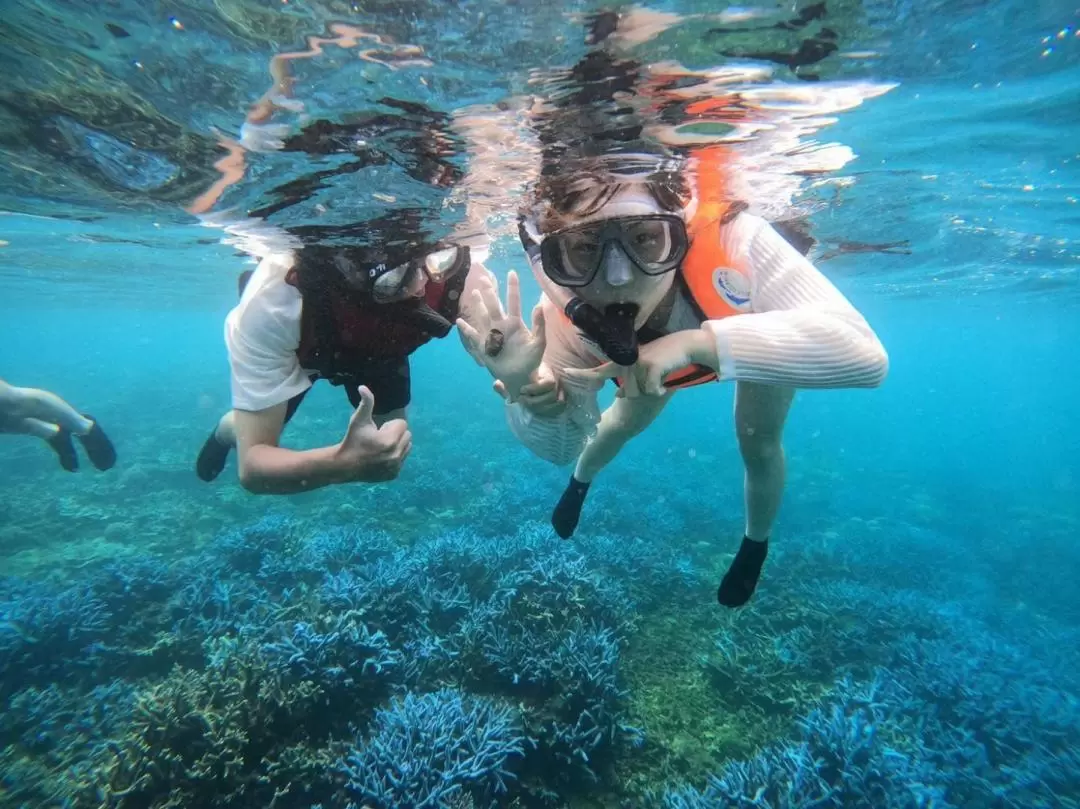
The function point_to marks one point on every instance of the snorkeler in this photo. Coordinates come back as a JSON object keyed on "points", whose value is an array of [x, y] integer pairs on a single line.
{"points": [[658, 280], [29, 411], [351, 315], [345, 303]]}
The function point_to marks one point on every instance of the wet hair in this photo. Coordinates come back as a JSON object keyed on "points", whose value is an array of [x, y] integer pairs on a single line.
{"points": [[583, 190]]}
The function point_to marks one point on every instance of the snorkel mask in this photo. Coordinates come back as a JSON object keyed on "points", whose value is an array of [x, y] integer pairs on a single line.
{"points": [[379, 277], [572, 258]]}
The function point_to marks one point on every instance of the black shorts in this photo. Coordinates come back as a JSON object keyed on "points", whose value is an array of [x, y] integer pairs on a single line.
{"points": [[389, 383]]}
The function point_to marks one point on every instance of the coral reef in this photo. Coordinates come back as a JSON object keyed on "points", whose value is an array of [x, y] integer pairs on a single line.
{"points": [[279, 666], [426, 749]]}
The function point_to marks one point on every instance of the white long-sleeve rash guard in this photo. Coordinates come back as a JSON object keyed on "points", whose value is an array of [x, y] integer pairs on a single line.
{"points": [[799, 331]]}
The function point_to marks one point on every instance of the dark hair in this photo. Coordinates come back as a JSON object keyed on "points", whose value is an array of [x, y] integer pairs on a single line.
{"points": [[584, 190]]}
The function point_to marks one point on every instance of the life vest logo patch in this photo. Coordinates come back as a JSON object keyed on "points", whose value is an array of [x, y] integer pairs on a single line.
{"points": [[733, 287]]}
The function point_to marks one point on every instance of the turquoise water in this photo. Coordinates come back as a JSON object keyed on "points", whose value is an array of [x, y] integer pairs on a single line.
{"points": [[927, 544]]}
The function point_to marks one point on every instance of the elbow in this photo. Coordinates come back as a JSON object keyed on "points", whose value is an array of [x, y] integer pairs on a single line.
{"points": [[877, 363]]}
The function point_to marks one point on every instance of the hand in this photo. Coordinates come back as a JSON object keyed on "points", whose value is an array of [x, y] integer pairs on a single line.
{"points": [[544, 397], [499, 340], [655, 361], [371, 454]]}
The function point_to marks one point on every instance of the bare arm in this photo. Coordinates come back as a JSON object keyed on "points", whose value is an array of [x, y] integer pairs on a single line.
{"points": [[367, 454], [266, 468], [802, 332]]}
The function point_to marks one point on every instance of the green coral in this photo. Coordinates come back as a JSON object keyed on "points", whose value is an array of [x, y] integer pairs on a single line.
{"points": [[206, 738]]}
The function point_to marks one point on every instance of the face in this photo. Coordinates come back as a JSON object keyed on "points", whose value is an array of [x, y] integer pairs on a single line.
{"points": [[409, 281], [619, 280]]}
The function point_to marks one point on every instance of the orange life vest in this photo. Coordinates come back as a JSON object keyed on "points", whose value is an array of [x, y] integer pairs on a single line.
{"points": [[717, 283]]}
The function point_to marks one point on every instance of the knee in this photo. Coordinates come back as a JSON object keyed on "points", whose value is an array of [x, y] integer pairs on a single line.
{"points": [[760, 448], [626, 427]]}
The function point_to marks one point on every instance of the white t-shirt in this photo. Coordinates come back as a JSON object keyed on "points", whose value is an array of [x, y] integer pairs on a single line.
{"points": [[262, 334]]}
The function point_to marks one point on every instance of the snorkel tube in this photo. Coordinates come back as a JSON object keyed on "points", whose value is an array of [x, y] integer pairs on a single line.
{"points": [[421, 315], [612, 331]]}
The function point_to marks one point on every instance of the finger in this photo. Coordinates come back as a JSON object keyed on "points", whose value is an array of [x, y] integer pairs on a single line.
{"points": [[631, 388], [513, 295], [594, 376], [543, 401], [394, 429], [470, 337], [539, 388], [654, 382], [489, 294], [404, 445], [479, 311], [500, 389], [539, 327], [362, 416]]}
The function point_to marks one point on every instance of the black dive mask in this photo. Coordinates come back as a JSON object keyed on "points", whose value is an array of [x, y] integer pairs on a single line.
{"points": [[383, 280]]}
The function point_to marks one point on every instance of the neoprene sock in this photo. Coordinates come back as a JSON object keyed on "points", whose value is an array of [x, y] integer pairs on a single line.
{"points": [[98, 447], [742, 577], [212, 458], [64, 449], [568, 510]]}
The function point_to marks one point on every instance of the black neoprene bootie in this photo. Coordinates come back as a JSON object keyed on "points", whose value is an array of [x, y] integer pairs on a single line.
{"points": [[564, 518], [742, 577]]}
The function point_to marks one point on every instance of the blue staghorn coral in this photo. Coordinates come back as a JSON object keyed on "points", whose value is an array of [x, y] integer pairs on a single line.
{"points": [[426, 749]]}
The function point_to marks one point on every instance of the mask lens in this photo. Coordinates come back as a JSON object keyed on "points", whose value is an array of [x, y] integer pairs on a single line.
{"points": [[442, 263], [576, 254], [393, 285], [655, 244], [649, 241]]}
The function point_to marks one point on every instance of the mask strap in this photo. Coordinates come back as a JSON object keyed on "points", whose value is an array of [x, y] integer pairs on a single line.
{"points": [[530, 238]]}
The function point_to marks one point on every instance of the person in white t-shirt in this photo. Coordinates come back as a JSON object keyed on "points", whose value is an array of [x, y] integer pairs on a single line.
{"points": [[350, 315], [31, 411], [654, 277]]}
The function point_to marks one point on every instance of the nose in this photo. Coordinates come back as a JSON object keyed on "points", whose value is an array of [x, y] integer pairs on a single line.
{"points": [[417, 285], [618, 270]]}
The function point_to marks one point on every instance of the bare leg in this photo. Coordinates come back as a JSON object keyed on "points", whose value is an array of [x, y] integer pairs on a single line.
{"points": [[622, 421], [215, 451], [35, 427], [381, 419], [618, 424], [58, 439], [760, 413], [226, 431], [31, 403]]}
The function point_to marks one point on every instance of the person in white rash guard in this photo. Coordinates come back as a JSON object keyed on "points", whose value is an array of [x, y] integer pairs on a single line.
{"points": [[31, 411], [658, 280], [353, 316]]}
